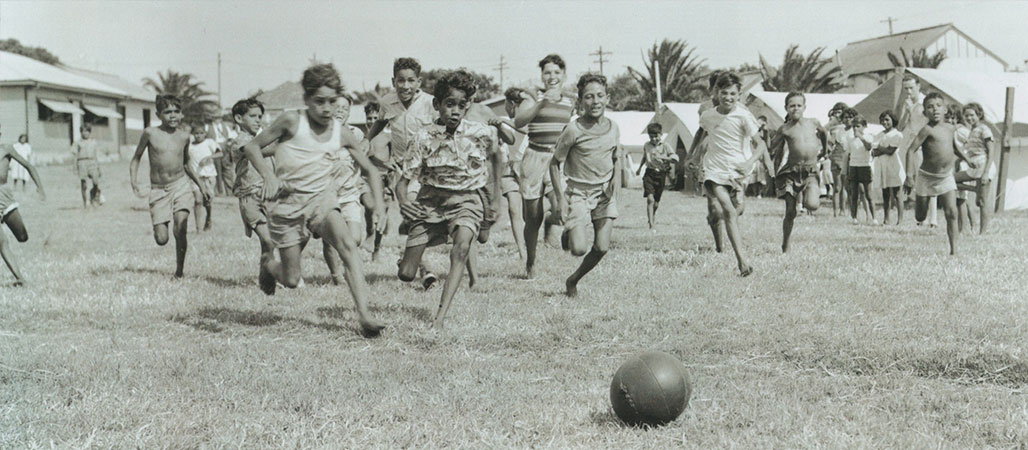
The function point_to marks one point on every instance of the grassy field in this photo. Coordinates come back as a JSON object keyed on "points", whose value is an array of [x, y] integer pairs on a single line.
{"points": [[861, 337]]}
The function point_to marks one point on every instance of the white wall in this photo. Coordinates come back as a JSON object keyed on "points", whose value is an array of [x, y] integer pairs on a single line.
{"points": [[962, 54]]}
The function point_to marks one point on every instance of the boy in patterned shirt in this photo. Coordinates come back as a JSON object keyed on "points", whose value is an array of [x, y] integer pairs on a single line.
{"points": [[449, 158]]}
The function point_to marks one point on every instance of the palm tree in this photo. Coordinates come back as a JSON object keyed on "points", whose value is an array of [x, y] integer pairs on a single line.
{"points": [[811, 73], [375, 94], [680, 73], [917, 58], [195, 102]]}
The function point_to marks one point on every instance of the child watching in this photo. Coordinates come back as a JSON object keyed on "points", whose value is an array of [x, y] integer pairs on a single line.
{"points": [[657, 158]]}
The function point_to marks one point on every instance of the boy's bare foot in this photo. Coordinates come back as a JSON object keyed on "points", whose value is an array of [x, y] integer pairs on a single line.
{"points": [[207, 227], [178, 274], [437, 325], [529, 272], [428, 280], [266, 280], [572, 288], [371, 327], [745, 271], [785, 248]]}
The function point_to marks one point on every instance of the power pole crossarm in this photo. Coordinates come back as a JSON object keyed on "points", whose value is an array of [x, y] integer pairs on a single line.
{"points": [[503, 66], [600, 54], [888, 20]]}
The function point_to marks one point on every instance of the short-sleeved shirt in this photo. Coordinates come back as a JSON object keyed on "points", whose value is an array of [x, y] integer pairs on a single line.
{"points": [[975, 146], [588, 154], [197, 152], [728, 138], [404, 123], [84, 149], [248, 181], [860, 156], [840, 152], [348, 174], [457, 163], [658, 156]]}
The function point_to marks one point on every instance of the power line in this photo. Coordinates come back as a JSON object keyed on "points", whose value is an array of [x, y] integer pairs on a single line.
{"points": [[600, 54]]}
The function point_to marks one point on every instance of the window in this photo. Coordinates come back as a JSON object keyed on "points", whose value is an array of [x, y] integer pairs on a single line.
{"points": [[94, 119], [48, 115], [146, 118]]}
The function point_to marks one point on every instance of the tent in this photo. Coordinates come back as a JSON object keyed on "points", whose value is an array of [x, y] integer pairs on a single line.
{"points": [[632, 125], [772, 105], [680, 121], [988, 90]]}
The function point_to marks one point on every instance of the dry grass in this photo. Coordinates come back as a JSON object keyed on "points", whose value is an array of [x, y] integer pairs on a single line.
{"points": [[861, 337]]}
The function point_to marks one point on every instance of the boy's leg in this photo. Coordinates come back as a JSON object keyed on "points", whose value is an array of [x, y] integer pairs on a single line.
{"points": [[854, 196], [651, 210], [16, 225], [790, 216], [962, 214], [886, 203], [470, 265], [333, 262], [714, 220], [410, 262], [84, 187], [866, 189], [181, 224], [462, 238], [897, 200], [336, 231], [949, 209], [601, 244], [517, 222], [933, 212], [8, 256], [982, 196], [811, 195], [533, 220], [728, 216], [199, 207], [160, 233], [921, 204]]}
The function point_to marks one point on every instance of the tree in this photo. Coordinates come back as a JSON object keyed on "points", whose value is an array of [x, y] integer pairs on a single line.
{"points": [[36, 53], [486, 87], [680, 73], [917, 58], [811, 73], [196, 104], [375, 94], [625, 94]]}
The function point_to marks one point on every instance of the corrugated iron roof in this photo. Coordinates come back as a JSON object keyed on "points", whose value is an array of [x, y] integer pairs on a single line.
{"points": [[872, 55], [135, 91], [16, 69]]}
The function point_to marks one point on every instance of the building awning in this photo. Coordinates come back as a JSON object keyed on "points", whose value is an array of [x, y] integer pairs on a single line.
{"points": [[62, 107], [103, 111]]}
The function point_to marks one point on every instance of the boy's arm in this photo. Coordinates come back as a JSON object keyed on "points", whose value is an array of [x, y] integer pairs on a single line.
{"points": [[695, 155], [376, 128], [914, 146], [777, 149], [527, 111], [619, 164], [497, 161], [504, 133], [989, 146], [30, 168], [256, 148], [642, 162], [963, 156], [352, 144], [558, 191], [144, 140], [822, 135]]}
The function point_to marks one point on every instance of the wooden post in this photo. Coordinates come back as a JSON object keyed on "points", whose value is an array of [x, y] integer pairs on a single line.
{"points": [[1004, 152]]}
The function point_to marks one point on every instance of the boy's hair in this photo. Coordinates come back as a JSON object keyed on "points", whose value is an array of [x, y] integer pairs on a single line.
{"points": [[654, 128], [346, 97], [458, 79], [850, 112], [727, 80], [909, 77], [320, 75], [795, 94], [931, 96], [712, 79], [372, 106], [859, 121], [584, 81], [953, 110], [889, 114], [513, 95], [762, 117], [974, 106], [197, 125], [552, 58], [840, 106], [406, 63], [245, 105], [86, 127], [163, 101]]}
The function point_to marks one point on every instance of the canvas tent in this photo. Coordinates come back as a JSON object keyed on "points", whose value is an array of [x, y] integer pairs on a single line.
{"points": [[987, 89], [632, 125], [680, 121], [772, 105]]}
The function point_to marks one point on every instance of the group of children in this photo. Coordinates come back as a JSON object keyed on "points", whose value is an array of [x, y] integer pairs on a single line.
{"points": [[448, 161]]}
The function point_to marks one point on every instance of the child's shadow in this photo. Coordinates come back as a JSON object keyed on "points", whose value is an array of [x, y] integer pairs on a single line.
{"points": [[340, 312], [215, 319]]}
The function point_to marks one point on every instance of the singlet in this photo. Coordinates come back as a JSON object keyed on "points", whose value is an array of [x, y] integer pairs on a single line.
{"points": [[545, 127], [305, 164]]}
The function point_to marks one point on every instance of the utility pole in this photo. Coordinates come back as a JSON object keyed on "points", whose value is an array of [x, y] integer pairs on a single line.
{"points": [[600, 54], [219, 80], [890, 20], [503, 66]]}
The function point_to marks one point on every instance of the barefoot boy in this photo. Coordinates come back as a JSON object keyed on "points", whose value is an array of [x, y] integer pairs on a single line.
{"points": [[935, 175], [301, 188], [248, 183], [381, 156], [799, 176], [171, 193], [590, 146], [9, 214], [728, 156], [202, 152], [86, 166], [450, 159], [657, 158]]}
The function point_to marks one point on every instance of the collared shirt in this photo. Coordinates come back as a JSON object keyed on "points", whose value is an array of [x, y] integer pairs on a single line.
{"points": [[659, 156], [404, 122], [459, 162]]}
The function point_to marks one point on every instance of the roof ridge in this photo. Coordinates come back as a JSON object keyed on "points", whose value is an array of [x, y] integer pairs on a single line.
{"points": [[950, 24]]}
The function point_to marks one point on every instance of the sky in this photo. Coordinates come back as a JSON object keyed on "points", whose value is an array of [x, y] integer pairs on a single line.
{"points": [[263, 44]]}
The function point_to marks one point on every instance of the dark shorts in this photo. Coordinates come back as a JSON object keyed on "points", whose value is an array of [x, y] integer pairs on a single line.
{"points": [[445, 212], [794, 180], [653, 183], [859, 174]]}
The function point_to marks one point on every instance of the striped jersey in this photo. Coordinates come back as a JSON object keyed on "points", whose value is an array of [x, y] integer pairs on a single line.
{"points": [[547, 125]]}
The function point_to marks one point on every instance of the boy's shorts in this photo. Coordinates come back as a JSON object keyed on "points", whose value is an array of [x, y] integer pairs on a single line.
{"points": [[251, 209], [167, 199], [445, 211], [859, 174], [7, 203], [535, 174], [980, 171], [207, 182], [588, 203], [929, 184], [296, 217], [87, 168], [352, 210], [653, 183], [510, 181], [795, 180]]}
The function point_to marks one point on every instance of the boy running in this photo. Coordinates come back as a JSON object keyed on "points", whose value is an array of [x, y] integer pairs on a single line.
{"points": [[202, 152], [301, 188], [799, 176], [510, 180], [450, 159], [86, 166], [728, 156], [247, 186], [9, 214], [657, 158], [171, 193], [590, 145], [351, 189], [380, 155], [935, 175]]}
